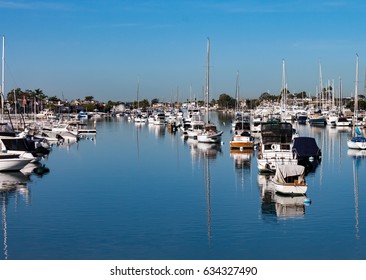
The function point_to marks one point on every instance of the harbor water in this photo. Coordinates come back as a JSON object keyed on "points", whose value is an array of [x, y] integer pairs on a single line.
{"points": [[141, 192]]}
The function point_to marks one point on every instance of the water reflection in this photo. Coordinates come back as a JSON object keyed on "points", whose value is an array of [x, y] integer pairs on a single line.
{"points": [[203, 150], [241, 158], [13, 182], [206, 152], [357, 157], [278, 205], [12, 185], [157, 130]]}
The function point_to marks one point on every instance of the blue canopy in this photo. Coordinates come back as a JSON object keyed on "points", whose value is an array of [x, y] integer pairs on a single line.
{"points": [[306, 147]]}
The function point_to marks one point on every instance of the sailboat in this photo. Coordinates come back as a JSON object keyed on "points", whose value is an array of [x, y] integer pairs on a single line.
{"points": [[209, 134], [357, 141], [242, 138]]}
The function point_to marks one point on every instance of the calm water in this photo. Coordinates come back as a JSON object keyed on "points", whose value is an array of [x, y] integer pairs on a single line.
{"points": [[139, 192]]}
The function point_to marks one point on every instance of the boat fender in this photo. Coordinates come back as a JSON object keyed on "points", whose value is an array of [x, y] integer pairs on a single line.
{"points": [[273, 147], [307, 201]]}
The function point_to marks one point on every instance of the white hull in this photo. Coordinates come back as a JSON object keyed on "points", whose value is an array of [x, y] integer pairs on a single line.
{"points": [[13, 164], [290, 188], [209, 137], [356, 145]]}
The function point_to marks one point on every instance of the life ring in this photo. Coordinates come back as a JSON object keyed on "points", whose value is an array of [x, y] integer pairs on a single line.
{"points": [[273, 146]]}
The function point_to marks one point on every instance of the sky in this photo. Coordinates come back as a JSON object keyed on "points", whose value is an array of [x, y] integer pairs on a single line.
{"points": [[109, 48]]}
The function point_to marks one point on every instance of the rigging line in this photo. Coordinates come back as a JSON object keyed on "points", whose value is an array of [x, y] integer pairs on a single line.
{"points": [[8, 70]]}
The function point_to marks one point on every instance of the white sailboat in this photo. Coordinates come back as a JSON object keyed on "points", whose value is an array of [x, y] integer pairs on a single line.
{"points": [[209, 134], [357, 141]]}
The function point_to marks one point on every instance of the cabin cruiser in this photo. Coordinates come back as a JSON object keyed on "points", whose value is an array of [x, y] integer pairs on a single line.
{"points": [[275, 146]]}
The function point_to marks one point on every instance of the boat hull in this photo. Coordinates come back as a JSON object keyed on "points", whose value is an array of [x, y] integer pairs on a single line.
{"points": [[209, 137], [290, 189], [241, 142], [13, 164], [354, 144]]}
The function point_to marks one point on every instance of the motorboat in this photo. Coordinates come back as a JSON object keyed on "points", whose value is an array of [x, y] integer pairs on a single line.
{"points": [[210, 134], [275, 146], [242, 138], [342, 121], [289, 179], [317, 119]]}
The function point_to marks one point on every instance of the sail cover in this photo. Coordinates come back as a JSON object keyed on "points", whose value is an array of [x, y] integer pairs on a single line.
{"points": [[289, 170], [358, 131]]}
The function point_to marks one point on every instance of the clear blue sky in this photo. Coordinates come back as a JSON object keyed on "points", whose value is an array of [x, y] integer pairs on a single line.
{"points": [[103, 47]]}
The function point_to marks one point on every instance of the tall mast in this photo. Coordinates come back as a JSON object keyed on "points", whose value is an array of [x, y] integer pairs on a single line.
{"points": [[3, 77], [284, 90], [320, 84], [208, 76], [340, 95], [356, 90], [237, 91], [138, 91]]}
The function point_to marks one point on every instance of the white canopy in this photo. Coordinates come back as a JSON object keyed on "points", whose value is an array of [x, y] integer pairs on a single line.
{"points": [[289, 170]]}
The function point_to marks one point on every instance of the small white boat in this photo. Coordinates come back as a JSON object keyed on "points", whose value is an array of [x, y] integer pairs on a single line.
{"points": [[342, 121], [289, 179], [210, 134], [357, 142], [159, 119]]}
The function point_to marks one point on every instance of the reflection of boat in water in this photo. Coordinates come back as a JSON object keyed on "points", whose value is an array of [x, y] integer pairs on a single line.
{"points": [[356, 153], [200, 150], [279, 205], [36, 168], [355, 188], [11, 183], [207, 179], [357, 156], [158, 130], [289, 206], [241, 158]]}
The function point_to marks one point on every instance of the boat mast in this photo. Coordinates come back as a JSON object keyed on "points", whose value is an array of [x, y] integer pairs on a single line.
{"points": [[208, 78], [138, 91], [320, 85], [356, 94], [340, 95], [284, 87], [3, 77]]}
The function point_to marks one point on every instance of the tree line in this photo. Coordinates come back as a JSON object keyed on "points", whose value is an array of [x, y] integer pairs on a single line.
{"points": [[25, 101]]}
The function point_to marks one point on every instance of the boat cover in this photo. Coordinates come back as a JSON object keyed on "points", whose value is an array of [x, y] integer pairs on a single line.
{"points": [[306, 147], [289, 170], [358, 139]]}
